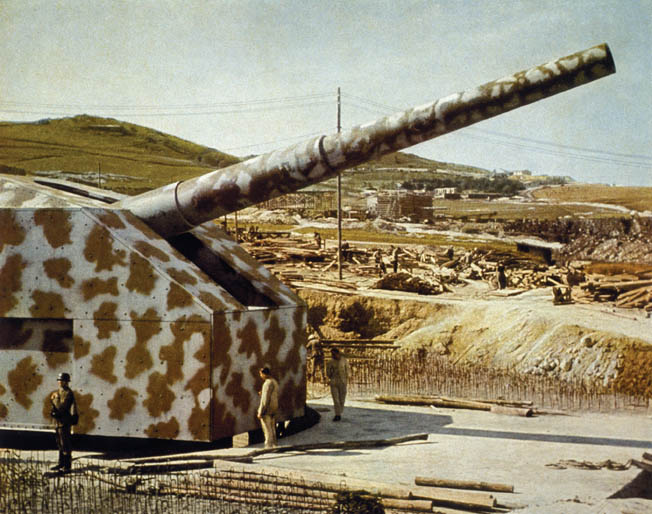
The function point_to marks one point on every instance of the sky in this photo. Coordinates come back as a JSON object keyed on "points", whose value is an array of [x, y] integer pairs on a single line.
{"points": [[250, 76]]}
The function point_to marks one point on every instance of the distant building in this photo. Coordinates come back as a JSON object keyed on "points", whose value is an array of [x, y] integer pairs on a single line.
{"points": [[442, 192]]}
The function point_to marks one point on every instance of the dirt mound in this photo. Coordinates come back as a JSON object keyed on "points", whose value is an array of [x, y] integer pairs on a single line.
{"points": [[625, 239], [531, 337]]}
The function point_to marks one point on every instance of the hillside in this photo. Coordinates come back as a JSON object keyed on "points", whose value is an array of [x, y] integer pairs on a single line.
{"points": [[127, 158], [130, 158]]}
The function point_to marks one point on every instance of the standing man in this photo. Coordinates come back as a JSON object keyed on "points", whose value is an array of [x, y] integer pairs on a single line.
{"points": [[268, 407], [316, 354], [64, 412], [338, 374]]}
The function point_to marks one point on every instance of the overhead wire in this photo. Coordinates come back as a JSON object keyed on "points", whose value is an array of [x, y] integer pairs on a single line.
{"points": [[321, 99]]}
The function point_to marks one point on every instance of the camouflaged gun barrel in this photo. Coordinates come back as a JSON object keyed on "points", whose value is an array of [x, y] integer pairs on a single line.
{"points": [[179, 207]]}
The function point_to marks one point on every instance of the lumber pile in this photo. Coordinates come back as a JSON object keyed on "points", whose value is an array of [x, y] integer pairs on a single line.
{"points": [[257, 485], [630, 291], [432, 271], [515, 408]]}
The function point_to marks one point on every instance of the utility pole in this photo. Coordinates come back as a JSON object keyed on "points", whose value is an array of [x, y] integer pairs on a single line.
{"points": [[339, 195]]}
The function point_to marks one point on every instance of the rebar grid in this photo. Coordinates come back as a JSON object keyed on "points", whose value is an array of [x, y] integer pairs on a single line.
{"points": [[26, 485], [425, 372]]}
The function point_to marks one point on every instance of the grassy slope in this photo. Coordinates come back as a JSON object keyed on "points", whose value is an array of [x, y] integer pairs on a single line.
{"points": [[143, 157], [636, 198]]}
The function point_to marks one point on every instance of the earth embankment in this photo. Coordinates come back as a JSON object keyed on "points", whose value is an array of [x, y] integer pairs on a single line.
{"points": [[525, 333]]}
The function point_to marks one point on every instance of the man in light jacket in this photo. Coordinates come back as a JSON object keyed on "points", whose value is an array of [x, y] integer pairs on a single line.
{"points": [[337, 371], [268, 406]]}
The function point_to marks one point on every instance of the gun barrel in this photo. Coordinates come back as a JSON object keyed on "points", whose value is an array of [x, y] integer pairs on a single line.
{"points": [[179, 207]]}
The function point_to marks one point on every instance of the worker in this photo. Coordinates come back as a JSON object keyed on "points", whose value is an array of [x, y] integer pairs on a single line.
{"points": [[380, 265], [337, 371], [268, 407], [317, 239], [501, 278], [65, 415], [316, 356], [395, 253]]}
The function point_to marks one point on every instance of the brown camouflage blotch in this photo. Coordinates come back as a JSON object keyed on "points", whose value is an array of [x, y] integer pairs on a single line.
{"points": [[198, 423], [99, 249], [211, 301], [56, 226], [178, 297], [182, 276], [104, 319], [151, 252], [87, 414], [58, 269], [94, 287], [47, 305], [159, 396], [3, 411], [111, 220], [201, 379], [102, 364], [10, 282], [241, 396], [23, 380], [142, 276], [163, 430], [122, 403], [80, 346], [223, 422], [222, 341], [139, 358], [249, 341], [13, 334], [57, 345], [173, 355], [11, 233]]}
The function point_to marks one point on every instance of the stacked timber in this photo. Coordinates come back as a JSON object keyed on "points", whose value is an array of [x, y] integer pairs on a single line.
{"points": [[511, 408], [632, 291]]}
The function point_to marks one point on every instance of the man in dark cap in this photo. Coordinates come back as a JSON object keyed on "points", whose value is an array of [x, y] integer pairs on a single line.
{"points": [[64, 412]]}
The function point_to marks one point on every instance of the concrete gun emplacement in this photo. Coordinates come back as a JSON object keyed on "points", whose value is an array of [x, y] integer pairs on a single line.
{"points": [[162, 319]]}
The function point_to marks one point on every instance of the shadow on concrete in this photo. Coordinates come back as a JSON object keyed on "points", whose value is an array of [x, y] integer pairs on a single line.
{"points": [[550, 438], [359, 423], [106, 447]]}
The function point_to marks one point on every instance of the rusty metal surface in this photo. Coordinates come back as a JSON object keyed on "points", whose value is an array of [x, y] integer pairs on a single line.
{"points": [[178, 207]]}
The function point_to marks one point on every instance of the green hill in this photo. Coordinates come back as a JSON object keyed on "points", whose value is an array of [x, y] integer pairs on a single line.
{"points": [[127, 158], [130, 158]]}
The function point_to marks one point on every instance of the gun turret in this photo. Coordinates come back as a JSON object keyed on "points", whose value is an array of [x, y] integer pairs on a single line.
{"points": [[179, 207]]}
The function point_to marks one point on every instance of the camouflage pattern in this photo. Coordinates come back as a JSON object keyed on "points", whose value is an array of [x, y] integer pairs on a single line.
{"points": [[156, 347], [177, 207], [162, 320]]}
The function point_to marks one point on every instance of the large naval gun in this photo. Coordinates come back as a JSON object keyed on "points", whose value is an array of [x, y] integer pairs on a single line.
{"points": [[159, 316]]}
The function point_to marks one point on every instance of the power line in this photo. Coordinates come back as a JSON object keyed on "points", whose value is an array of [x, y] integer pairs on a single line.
{"points": [[159, 107]]}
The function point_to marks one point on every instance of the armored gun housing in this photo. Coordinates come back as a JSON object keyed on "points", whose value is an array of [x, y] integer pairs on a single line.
{"points": [[161, 318]]}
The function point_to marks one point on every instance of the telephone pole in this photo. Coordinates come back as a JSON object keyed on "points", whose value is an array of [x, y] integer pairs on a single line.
{"points": [[339, 195]]}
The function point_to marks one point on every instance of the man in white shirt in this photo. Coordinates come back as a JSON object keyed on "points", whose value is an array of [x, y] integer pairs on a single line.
{"points": [[268, 406], [338, 374]]}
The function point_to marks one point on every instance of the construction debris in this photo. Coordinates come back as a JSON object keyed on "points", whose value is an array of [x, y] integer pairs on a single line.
{"points": [[509, 408]]}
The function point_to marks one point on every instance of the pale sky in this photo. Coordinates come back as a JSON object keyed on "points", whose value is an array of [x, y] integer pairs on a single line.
{"points": [[250, 76]]}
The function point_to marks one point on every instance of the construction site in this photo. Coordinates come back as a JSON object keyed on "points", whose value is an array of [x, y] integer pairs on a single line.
{"points": [[499, 344]]}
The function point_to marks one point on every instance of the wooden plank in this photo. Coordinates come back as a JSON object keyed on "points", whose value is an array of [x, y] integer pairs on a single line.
{"points": [[464, 484]]}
